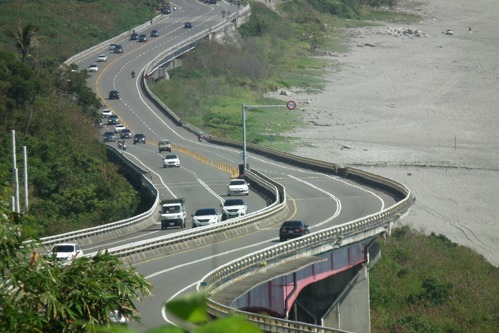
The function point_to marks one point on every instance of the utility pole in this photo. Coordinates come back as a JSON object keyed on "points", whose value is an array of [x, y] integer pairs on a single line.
{"points": [[25, 178], [15, 207]]}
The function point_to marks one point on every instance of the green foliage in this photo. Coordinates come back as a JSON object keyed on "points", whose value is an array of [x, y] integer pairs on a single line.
{"points": [[78, 25], [38, 295], [71, 184], [434, 292], [415, 323], [427, 284], [191, 308]]}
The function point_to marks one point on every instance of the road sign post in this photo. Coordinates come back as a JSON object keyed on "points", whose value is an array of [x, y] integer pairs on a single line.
{"points": [[290, 105]]}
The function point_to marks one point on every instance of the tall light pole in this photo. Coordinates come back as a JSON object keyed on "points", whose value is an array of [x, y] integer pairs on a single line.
{"points": [[291, 105]]}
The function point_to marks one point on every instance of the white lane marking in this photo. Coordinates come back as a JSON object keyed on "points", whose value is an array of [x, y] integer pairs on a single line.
{"points": [[338, 201], [163, 308], [155, 274], [360, 188]]}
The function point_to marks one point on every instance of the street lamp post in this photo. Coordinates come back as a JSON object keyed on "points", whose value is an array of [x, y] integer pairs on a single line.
{"points": [[291, 105]]}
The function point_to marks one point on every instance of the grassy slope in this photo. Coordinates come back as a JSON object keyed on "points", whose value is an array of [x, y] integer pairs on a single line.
{"points": [[69, 26], [429, 284]]}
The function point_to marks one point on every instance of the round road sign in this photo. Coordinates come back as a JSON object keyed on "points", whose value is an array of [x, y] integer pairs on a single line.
{"points": [[291, 105]]}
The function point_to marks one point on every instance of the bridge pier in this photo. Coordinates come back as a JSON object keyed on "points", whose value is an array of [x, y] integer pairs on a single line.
{"points": [[340, 301]]}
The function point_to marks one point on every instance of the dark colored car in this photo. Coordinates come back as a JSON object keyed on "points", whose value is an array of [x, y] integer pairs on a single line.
{"points": [[166, 10], [292, 229], [114, 94], [113, 119], [109, 137], [143, 38], [188, 25], [139, 138], [126, 134], [154, 33], [118, 49], [134, 36]]}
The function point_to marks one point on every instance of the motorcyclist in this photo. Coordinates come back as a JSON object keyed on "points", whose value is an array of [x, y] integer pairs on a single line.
{"points": [[200, 137], [119, 143], [133, 74], [124, 145]]}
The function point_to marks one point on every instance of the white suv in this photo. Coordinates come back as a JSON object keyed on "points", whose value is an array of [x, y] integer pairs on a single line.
{"points": [[205, 216], [233, 208], [66, 252], [237, 187]]}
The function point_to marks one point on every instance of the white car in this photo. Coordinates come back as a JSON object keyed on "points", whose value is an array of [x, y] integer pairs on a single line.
{"points": [[106, 112], [237, 187], [233, 208], [449, 32], [102, 58], [66, 252], [171, 161], [93, 68], [117, 318], [205, 216], [119, 127]]}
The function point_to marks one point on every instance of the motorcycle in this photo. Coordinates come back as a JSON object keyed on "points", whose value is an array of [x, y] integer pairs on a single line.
{"points": [[200, 138], [124, 146], [133, 75]]}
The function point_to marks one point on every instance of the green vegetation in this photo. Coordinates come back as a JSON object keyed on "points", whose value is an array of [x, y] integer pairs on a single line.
{"points": [[52, 111], [430, 284], [40, 295], [65, 28], [71, 186]]}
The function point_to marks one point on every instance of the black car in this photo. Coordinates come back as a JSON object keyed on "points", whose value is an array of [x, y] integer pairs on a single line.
{"points": [[154, 33], [109, 137], [134, 36], [166, 10], [143, 38], [188, 25], [139, 138], [114, 94], [118, 49], [113, 120], [292, 229], [126, 134]]}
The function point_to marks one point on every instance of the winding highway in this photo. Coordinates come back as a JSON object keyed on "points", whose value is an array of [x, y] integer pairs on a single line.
{"points": [[320, 200]]}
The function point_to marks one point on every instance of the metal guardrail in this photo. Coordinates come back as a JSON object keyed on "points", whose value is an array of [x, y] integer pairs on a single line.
{"points": [[115, 229]]}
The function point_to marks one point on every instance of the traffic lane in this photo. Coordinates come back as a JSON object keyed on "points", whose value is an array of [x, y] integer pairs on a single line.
{"points": [[175, 273], [206, 187]]}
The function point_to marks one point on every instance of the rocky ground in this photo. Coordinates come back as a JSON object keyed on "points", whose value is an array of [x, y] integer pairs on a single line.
{"points": [[420, 106]]}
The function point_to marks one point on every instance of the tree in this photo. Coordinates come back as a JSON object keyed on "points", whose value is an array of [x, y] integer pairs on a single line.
{"points": [[27, 39], [40, 295]]}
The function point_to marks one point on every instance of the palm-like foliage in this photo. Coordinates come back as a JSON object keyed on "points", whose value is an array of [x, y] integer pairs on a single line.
{"points": [[27, 39]]}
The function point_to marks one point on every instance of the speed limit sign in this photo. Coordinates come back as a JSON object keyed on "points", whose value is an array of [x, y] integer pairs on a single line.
{"points": [[291, 105]]}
